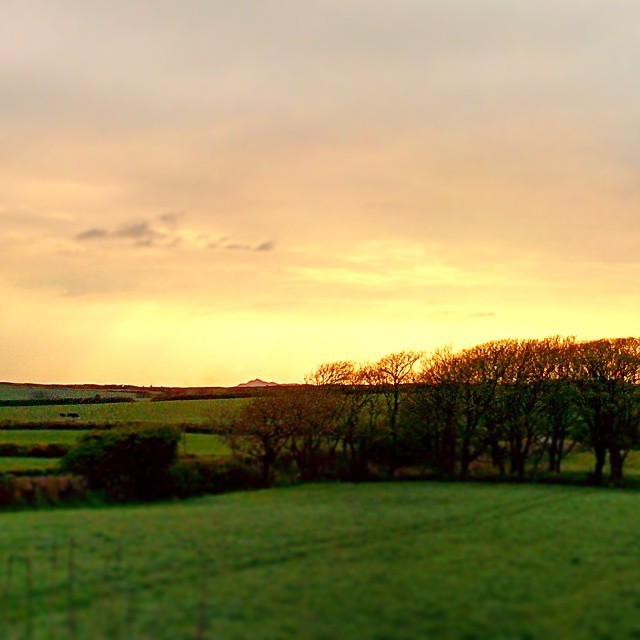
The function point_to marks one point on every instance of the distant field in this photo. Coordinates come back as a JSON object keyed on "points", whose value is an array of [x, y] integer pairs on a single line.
{"points": [[40, 436], [171, 412], [584, 461], [194, 443], [200, 444], [22, 464], [211, 445], [37, 392], [378, 561]]}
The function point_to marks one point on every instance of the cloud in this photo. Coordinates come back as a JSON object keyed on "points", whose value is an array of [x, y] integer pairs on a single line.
{"points": [[237, 246], [171, 218], [137, 231], [227, 245], [92, 234], [160, 230], [165, 230], [268, 245]]}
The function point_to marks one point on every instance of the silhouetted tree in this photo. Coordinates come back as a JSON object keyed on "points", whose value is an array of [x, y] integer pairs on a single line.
{"points": [[261, 431], [607, 374], [391, 375]]}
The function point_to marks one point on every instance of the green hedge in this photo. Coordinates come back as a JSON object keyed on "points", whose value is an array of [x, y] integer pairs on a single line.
{"points": [[126, 463]]}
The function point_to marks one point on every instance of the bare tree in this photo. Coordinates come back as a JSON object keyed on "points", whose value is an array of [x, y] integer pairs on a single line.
{"points": [[559, 405], [607, 376], [341, 372], [518, 413], [436, 408], [390, 375], [312, 414], [260, 431]]}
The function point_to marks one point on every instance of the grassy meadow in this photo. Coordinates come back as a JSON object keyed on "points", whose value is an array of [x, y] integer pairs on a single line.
{"points": [[403, 560], [33, 391], [11, 465], [199, 444], [193, 444], [143, 411]]}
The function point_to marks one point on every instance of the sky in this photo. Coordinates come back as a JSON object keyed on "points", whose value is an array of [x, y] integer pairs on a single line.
{"points": [[201, 192]]}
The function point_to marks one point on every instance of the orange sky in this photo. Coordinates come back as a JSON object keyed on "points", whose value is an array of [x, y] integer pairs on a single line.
{"points": [[200, 193]]}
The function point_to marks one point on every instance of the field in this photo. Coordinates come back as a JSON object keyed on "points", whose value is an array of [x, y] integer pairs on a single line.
{"points": [[23, 464], [202, 445], [182, 412], [144, 411], [39, 436], [194, 443], [41, 392], [413, 560]]}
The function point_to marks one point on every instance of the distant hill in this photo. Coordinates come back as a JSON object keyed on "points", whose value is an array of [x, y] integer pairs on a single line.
{"points": [[31, 394], [256, 383]]}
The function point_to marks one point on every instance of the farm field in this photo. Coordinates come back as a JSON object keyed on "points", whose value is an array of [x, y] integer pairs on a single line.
{"points": [[143, 411], [8, 465], [403, 560], [195, 443], [583, 461], [213, 445], [32, 392], [27, 437]]}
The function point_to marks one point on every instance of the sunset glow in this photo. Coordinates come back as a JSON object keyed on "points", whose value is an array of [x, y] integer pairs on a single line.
{"points": [[201, 193]]}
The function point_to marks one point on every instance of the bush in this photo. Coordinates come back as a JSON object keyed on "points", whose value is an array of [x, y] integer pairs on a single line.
{"points": [[192, 477], [126, 464], [51, 450], [8, 491], [10, 450], [41, 490]]}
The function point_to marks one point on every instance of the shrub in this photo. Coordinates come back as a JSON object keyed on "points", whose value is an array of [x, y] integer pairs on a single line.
{"points": [[126, 464], [8, 491], [52, 450], [41, 490], [191, 477], [10, 450]]}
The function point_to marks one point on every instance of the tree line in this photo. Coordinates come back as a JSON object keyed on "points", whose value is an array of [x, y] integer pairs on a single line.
{"points": [[514, 408]]}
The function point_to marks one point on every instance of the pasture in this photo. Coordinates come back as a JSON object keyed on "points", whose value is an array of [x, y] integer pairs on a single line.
{"points": [[10, 465], [143, 411], [42, 392], [403, 560], [193, 444]]}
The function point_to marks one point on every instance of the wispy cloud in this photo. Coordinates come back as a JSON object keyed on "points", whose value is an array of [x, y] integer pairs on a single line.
{"points": [[268, 245], [92, 234], [160, 230], [166, 230]]}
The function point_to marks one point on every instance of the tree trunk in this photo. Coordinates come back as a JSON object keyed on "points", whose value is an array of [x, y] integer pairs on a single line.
{"points": [[598, 471], [553, 457], [516, 455], [465, 460], [449, 451], [265, 472], [497, 457], [616, 464], [559, 455]]}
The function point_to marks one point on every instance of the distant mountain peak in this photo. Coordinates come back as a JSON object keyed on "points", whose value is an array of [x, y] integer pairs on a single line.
{"points": [[257, 383]]}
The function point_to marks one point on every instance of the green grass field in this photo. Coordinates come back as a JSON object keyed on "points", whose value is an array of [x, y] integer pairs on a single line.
{"points": [[39, 436], [196, 443], [32, 392], [144, 411], [22, 464], [386, 561]]}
